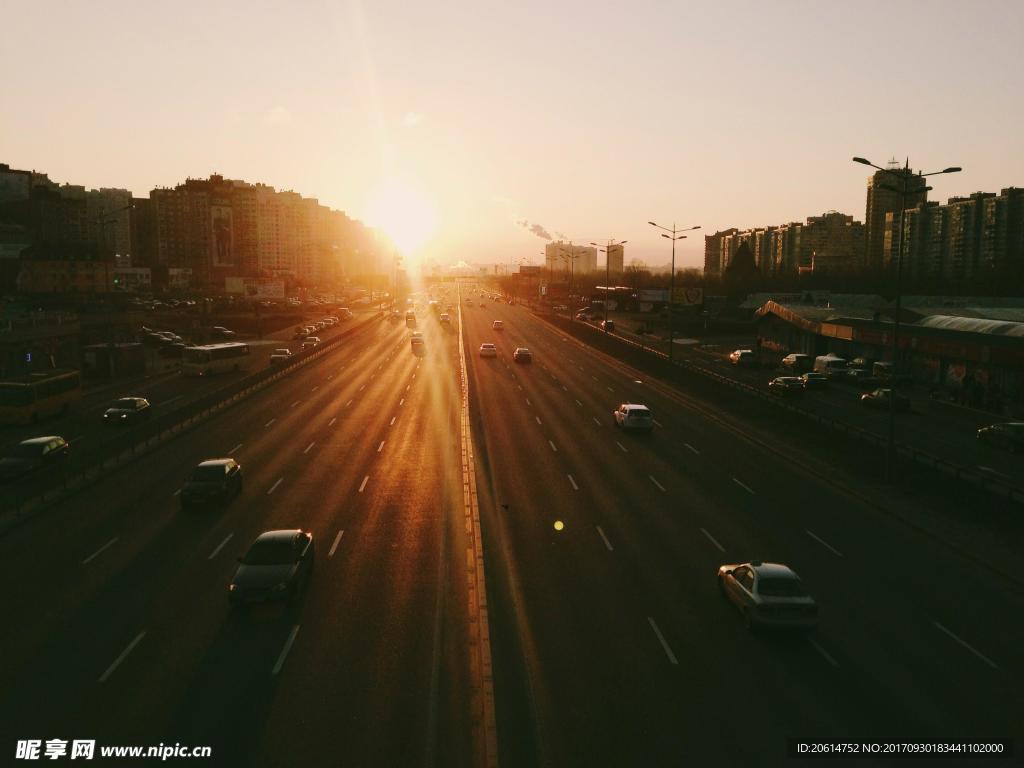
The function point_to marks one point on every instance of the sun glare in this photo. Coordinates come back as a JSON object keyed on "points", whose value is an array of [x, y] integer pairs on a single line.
{"points": [[404, 212]]}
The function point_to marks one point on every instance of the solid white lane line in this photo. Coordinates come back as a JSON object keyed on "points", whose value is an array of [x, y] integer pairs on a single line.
{"points": [[331, 422], [334, 546], [826, 545], [363, 484], [392, 421], [574, 486], [712, 540], [656, 422], [621, 446], [269, 423], [99, 551], [976, 652], [220, 546], [579, 403], [380, 447], [274, 486], [825, 654], [234, 449], [605, 539], [122, 657], [537, 418], [691, 448], [596, 420], [552, 446], [284, 651], [661, 639], [742, 485], [309, 447], [660, 486], [402, 401], [295, 403]]}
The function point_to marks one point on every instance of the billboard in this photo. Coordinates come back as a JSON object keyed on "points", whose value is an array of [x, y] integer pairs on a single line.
{"points": [[270, 289], [221, 236], [529, 271], [688, 296], [651, 296]]}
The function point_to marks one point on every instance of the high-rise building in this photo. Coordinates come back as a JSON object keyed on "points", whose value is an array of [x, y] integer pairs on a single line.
{"points": [[615, 257], [558, 255], [884, 196], [1002, 245], [108, 213], [713, 253]]}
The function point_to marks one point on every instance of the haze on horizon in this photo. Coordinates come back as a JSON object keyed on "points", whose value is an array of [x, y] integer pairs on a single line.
{"points": [[447, 123]]}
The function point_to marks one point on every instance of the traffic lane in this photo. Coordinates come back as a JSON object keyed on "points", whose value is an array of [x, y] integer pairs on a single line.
{"points": [[770, 473], [91, 549], [644, 719], [126, 596], [385, 638]]}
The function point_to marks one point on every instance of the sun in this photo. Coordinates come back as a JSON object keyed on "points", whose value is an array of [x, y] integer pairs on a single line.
{"points": [[404, 212]]}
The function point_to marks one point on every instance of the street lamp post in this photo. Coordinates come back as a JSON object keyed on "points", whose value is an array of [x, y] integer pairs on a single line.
{"points": [[607, 273], [673, 236], [570, 261], [904, 178]]}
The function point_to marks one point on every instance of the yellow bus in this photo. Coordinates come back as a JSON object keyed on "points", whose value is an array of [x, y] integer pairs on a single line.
{"points": [[26, 399]]}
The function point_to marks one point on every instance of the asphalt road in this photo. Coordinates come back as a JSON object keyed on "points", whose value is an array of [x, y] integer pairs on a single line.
{"points": [[613, 645], [124, 632]]}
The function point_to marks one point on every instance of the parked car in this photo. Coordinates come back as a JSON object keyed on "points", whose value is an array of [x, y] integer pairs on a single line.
{"points": [[487, 349], [277, 567], [768, 594], [126, 410], [634, 416], [879, 398], [813, 380], [522, 355], [786, 386], [743, 358], [798, 363], [279, 356], [1007, 435], [32, 455], [213, 481]]}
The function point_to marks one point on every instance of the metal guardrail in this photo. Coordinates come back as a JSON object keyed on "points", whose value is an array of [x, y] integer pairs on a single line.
{"points": [[966, 474], [83, 469]]}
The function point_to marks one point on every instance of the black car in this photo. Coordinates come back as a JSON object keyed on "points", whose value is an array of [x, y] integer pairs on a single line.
{"points": [[880, 399], [213, 481], [277, 567], [127, 410], [1008, 435], [522, 355], [786, 386], [32, 455]]}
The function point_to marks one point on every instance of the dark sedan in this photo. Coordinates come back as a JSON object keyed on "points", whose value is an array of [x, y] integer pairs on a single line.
{"points": [[213, 481], [522, 355], [786, 386], [1008, 436], [277, 567], [127, 410], [880, 399], [31, 455]]}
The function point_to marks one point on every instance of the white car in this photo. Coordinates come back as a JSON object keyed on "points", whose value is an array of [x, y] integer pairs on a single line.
{"points": [[634, 416], [310, 342], [768, 594], [497, 325], [488, 350]]}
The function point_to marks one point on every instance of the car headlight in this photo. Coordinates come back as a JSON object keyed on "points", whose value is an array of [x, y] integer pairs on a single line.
{"points": [[124, 415]]}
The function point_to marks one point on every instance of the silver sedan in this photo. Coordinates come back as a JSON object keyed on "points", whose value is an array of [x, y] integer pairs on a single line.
{"points": [[768, 594]]}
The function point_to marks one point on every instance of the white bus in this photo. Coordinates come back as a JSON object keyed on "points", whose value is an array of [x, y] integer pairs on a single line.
{"points": [[26, 399], [215, 358]]}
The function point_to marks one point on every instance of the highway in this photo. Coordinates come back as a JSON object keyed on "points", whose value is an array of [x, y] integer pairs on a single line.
{"points": [[611, 643], [619, 649]]}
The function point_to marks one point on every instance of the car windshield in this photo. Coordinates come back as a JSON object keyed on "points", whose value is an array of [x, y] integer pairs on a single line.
{"points": [[780, 587], [270, 552], [210, 474], [638, 413]]}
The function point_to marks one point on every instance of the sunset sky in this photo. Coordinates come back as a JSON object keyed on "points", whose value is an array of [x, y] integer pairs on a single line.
{"points": [[447, 122]]}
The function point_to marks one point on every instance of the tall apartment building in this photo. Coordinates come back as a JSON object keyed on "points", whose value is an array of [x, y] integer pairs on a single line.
{"points": [[557, 257], [108, 213], [884, 196], [832, 242], [1002, 239], [615, 256], [713, 256]]}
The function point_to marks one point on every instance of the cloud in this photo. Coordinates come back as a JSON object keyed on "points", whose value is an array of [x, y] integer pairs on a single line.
{"points": [[536, 229], [412, 119], [278, 115]]}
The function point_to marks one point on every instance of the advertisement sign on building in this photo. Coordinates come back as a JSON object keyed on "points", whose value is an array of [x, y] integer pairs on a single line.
{"points": [[689, 296], [652, 295]]}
